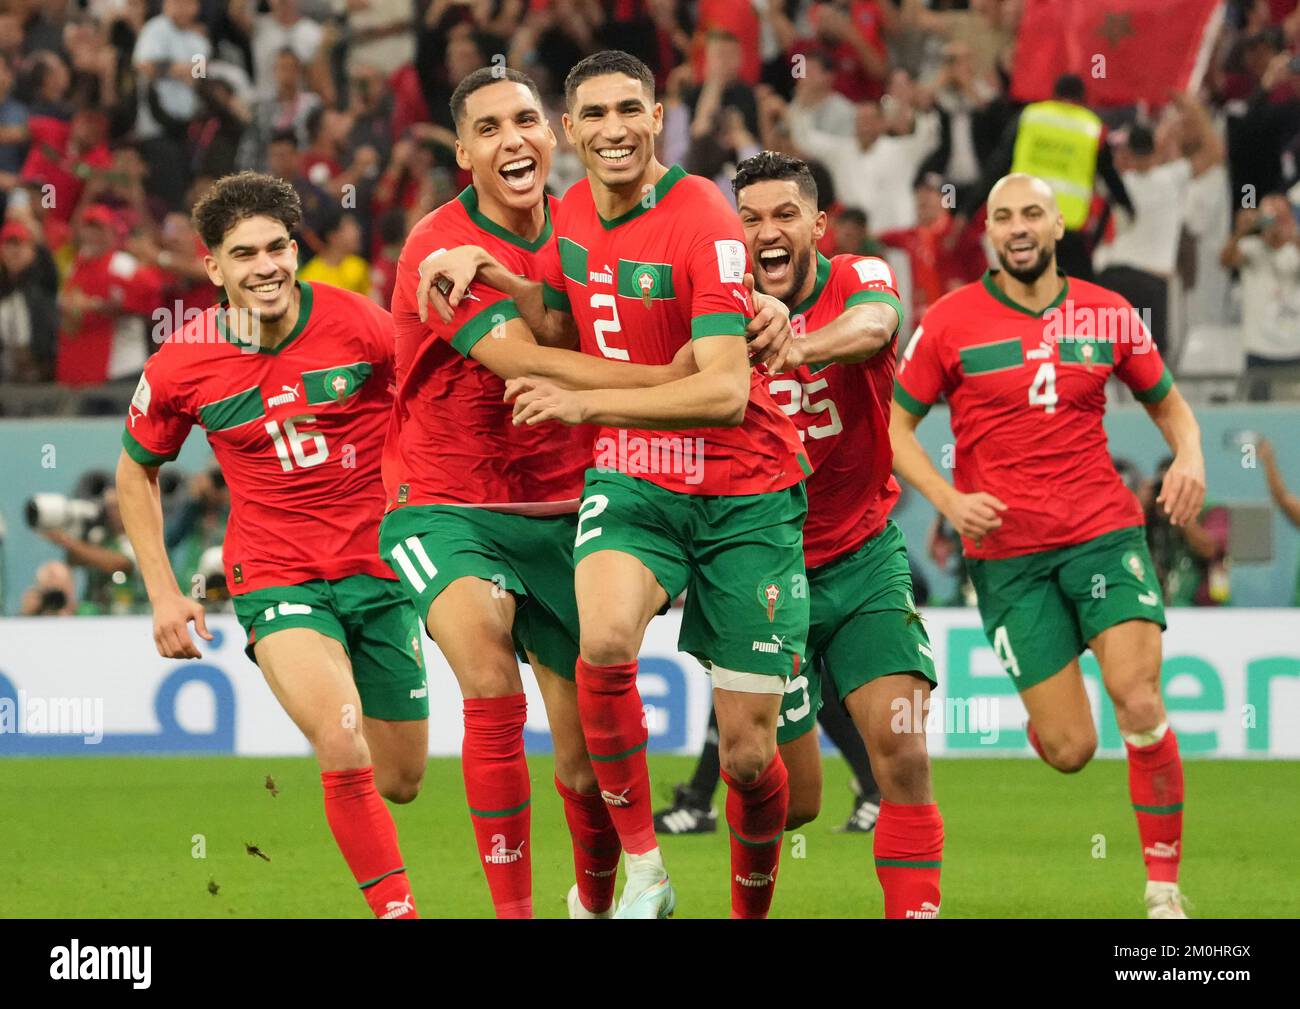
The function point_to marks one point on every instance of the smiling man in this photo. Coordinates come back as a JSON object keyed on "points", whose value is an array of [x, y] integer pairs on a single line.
{"points": [[863, 628], [1053, 538], [290, 382]]}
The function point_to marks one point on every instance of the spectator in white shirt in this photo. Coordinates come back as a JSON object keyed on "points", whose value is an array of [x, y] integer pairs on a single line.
{"points": [[167, 51], [875, 168], [824, 108], [1265, 251], [1140, 260], [283, 28]]}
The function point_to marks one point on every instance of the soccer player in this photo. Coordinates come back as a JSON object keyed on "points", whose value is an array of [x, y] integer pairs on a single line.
{"points": [[1053, 538], [864, 629], [482, 513], [698, 482], [290, 382]]}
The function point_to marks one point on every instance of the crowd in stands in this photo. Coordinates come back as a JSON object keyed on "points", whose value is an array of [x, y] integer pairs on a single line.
{"points": [[116, 114]]}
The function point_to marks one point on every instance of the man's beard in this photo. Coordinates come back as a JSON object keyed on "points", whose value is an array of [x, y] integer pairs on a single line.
{"points": [[799, 265], [1035, 270]]}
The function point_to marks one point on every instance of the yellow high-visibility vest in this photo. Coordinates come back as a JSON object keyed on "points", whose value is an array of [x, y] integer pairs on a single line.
{"points": [[1058, 142]]}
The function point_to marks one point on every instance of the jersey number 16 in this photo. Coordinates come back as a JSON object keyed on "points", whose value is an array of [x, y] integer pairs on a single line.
{"points": [[305, 448]]}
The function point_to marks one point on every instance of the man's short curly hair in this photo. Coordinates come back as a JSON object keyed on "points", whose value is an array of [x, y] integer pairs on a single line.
{"points": [[236, 198]]}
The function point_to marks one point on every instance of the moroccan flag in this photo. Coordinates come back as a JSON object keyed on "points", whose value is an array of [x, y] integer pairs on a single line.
{"points": [[1126, 51]]}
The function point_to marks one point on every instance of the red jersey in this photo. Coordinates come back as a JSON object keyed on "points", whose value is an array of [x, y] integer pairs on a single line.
{"points": [[298, 432], [669, 270], [453, 439], [1027, 392], [842, 413], [104, 346]]}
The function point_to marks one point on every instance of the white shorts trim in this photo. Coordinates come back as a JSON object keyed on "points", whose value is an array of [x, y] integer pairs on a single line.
{"points": [[747, 683]]}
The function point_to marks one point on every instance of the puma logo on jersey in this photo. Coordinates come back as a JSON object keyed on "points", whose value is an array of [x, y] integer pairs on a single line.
{"points": [[927, 910], [741, 297], [1161, 849], [1148, 599], [607, 277], [616, 800], [772, 647], [288, 395], [1040, 353]]}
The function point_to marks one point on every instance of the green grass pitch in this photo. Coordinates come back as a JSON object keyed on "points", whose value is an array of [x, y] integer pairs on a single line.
{"points": [[118, 837]]}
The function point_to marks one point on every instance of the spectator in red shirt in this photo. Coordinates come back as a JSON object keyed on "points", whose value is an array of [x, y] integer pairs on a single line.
{"points": [[103, 306], [736, 18], [65, 155], [935, 269], [854, 36]]}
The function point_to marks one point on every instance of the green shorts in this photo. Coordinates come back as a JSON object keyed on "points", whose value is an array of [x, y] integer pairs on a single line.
{"points": [[1040, 610], [863, 625], [740, 557], [430, 546], [370, 618]]}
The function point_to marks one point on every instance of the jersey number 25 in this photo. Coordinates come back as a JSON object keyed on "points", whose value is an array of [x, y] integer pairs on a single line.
{"points": [[801, 399]]}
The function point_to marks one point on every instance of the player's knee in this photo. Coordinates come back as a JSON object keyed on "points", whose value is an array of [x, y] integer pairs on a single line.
{"points": [[402, 786], [576, 774], [612, 645], [745, 760], [339, 748], [1071, 753], [1139, 709], [902, 770]]}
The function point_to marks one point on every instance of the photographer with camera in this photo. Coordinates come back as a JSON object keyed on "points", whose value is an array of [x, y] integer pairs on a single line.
{"points": [[1265, 251], [195, 528], [88, 526], [1191, 560]]}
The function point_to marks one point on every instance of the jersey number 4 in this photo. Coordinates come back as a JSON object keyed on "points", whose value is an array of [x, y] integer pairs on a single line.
{"points": [[801, 399], [1043, 390], [293, 446]]}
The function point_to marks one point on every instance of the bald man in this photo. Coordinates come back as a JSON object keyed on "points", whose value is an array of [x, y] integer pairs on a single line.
{"points": [[1053, 539]]}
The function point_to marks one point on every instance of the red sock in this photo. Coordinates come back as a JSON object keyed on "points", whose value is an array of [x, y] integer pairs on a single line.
{"points": [[496, 785], [364, 831], [756, 816], [614, 724], [595, 846], [909, 856], [1155, 784]]}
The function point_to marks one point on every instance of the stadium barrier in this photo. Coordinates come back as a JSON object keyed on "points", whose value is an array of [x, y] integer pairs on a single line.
{"points": [[94, 685]]}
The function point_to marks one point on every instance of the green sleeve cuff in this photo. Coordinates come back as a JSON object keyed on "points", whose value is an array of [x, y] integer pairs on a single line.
{"points": [[496, 314], [553, 299], [718, 324], [909, 402], [141, 454], [1158, 391], [877, 297]]}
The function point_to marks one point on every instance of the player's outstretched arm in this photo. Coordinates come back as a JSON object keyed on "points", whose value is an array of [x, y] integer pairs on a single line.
{"points": [[445, 276], [1182, 494], [856, 334], [714, 396], [972, 515], [140, 503], [510, 351]]}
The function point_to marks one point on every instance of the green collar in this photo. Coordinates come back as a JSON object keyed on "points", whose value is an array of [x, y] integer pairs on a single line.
{"points": [[823, 275], [671, 178], [997, 292], [304, 313], [469, 200]]}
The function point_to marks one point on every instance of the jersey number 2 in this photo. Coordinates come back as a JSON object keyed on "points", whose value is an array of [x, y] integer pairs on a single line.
{"points": [[603, 327], [306, 448]]}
